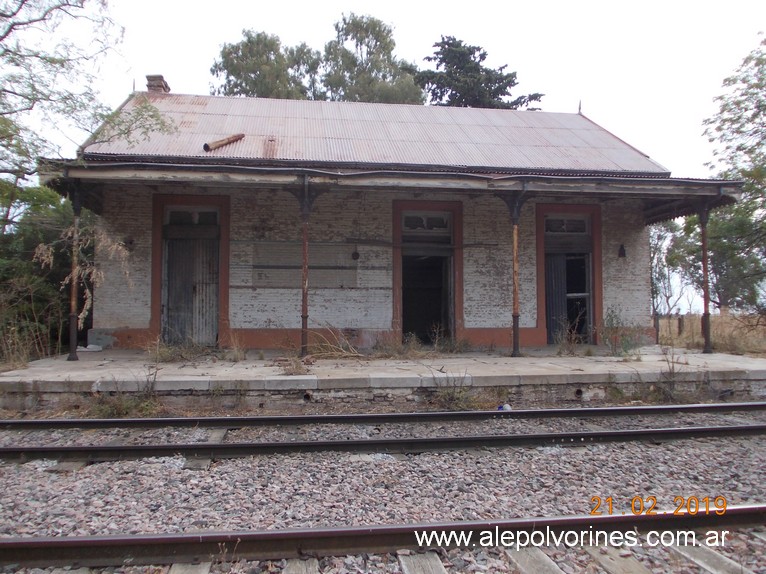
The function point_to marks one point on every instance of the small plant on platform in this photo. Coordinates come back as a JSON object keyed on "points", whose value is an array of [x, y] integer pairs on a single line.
{"points": [[445, 344], [332, 343], [620, 336], [566, 339], [291, 366], [236, 350], [454, 392], [162, 352], [392, 346]]}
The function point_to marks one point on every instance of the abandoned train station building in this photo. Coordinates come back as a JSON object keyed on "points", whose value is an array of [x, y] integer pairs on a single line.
{"points": [[264, 219]]}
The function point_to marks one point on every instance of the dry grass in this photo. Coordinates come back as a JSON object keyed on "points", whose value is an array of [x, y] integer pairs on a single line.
{"points": [[292, 366], [392, 346], [161, 352], [738, 334], [332, 343]]}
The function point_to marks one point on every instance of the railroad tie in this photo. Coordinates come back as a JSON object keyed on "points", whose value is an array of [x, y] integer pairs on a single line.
{"points": [[710, 560], [616, 561], [203, 463], [201, 568], [300, 566], [427, 563], [532, 560]]}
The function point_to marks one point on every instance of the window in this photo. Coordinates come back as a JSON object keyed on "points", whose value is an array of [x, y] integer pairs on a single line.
{"points": [[202, 215], [426, 227], [566, 224]]}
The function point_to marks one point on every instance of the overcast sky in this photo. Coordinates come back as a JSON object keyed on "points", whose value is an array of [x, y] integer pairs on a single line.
{"points": [[647, 71]]}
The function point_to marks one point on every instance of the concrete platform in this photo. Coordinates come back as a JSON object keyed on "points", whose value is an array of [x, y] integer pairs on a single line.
{"points": [[539, 377]]}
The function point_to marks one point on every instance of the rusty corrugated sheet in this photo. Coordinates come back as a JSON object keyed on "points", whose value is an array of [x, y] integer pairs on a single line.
{"points": [[383, 134]]}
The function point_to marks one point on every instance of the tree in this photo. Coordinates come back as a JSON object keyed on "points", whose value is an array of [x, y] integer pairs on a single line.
{"points": [[46, 87], [36, 81], [357, 65], [360, 66], [667, 291], [736, 270], [462, 80], [259, 66], [736, 234]]}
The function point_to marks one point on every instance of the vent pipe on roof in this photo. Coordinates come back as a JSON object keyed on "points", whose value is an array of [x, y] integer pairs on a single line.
{"points": [[157, 83], [220, 143]]}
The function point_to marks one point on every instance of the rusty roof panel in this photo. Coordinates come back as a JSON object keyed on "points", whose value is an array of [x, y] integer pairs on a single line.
{"points": [[383, 134]]}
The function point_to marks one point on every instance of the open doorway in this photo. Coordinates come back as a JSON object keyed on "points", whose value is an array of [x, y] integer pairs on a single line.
{"points": [[427, 274], [426, 297], [568, 278]]}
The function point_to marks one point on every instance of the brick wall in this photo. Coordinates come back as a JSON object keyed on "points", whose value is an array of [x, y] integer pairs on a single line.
{"points": [[627, 280], [351, 262], [123, 297]]}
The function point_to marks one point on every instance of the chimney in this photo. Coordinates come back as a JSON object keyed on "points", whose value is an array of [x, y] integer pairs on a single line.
{"points": [[157, 83]]}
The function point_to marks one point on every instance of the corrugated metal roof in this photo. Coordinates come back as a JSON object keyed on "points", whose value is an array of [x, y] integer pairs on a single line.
{"points": [[320, 132]]}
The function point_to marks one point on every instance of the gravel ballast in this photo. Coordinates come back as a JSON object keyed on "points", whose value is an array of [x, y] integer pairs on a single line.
{"points": [[338, 489]]}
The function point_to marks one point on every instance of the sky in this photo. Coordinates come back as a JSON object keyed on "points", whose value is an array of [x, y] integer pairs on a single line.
{"points": [[646, 71]]}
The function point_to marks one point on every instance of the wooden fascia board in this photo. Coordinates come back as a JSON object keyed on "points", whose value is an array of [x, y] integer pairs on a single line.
{"points": [[159, 176], [636, 188]]}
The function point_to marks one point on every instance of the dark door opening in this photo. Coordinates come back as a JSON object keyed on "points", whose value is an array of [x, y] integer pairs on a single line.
{"points": [[567, 297], [190, 277], [426, 297]]}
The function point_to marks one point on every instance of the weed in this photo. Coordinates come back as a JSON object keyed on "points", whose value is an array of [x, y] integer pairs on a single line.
{"points": [[453, 392], [124, 405], [333, 345], [566, 338], [31, 315], [444, 344], [392, 346], [161, 352], [236, 351], [620, 336], [292, 366], [614, 393]]}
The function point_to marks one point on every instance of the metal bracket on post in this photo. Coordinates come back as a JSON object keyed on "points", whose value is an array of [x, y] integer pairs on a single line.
{"points": [[704, 213], [515, 200], [74, 197]]}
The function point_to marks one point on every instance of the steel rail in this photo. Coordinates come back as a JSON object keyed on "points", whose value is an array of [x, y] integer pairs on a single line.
{"points": [[103, 453], [379, 418], [93, 551]]}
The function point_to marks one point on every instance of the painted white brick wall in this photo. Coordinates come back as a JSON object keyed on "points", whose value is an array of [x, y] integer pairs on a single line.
{"points": [[362, 221], [122, 299], [627, 281], [488, 264], [349, 220]]}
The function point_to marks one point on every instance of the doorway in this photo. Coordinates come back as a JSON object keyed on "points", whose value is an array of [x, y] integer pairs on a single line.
{"points": [[569, 312], [567, 297], [427, 274], [426, 297], [190, 281]]}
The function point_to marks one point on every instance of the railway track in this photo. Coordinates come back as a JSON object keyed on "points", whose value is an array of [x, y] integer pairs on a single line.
{"points": [[379, 418], [220, 450], [201, 547], [392, 544], [215, 448]]}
